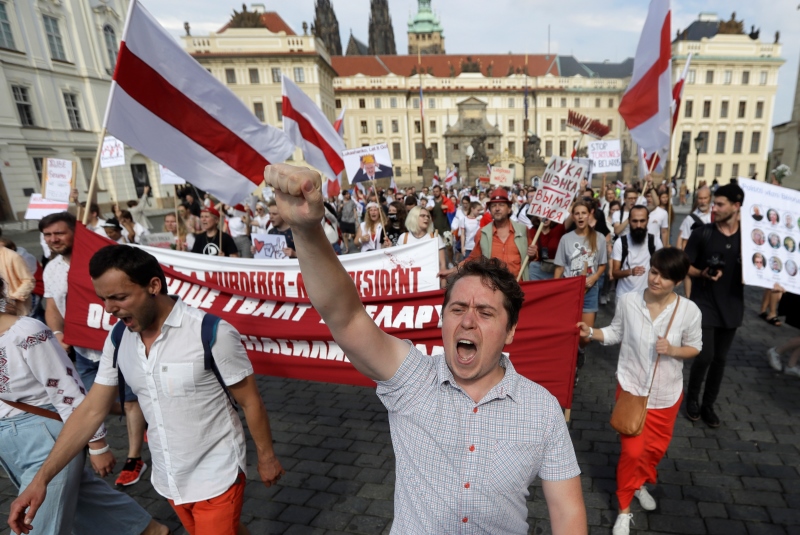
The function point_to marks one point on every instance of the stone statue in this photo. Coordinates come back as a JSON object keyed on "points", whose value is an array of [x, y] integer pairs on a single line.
{"points": [[680, 169], [479, 156], [777, 37], [245, 19], [188, 29], [305, 28], [533, 152], [626, 151]]}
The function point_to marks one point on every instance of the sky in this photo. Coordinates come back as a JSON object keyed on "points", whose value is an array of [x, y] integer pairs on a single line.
{"points": [[587, 29]]}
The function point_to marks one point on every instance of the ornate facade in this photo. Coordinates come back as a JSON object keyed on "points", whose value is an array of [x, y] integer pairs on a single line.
{"points": [[381, 32], [326, 27]]}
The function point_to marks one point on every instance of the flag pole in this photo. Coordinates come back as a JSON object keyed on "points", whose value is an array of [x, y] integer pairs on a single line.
{"points": [[178, 245], [421, 113], [93, 180], [527, 258]]}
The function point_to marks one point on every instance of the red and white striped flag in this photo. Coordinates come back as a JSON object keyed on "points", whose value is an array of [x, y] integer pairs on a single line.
{"points": [[450, 179], [167, 106], [333, 187], [435, 181], [645, 106], [339, 124]]}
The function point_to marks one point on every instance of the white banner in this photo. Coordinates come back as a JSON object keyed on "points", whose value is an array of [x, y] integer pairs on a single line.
{"points": [[770, 218], [395, 271], [502, 177], [169, 178], [58, 180], [39, 208], [606, 156], [113, 152], [559, 185]]}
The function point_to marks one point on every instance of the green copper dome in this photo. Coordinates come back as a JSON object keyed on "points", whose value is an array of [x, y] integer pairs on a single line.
{"points": [[425, 21]]}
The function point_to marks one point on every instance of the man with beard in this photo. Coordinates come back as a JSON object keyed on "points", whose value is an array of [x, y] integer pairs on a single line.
{"points": [[196, 439], [208, 241], [630, 257], [59, 232], [715, 253]]}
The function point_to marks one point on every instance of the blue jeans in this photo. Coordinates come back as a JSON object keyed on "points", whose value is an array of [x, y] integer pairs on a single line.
{"points": [[536, 274], [87, 369], [591, 300], [76, 501]]}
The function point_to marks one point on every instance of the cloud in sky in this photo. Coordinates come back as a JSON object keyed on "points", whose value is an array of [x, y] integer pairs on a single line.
{"points": [[589, 30]]}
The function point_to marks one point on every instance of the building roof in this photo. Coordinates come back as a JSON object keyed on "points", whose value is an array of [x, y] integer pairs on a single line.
{"points": [[699, 29], [425, 21], [439, 65], [355, 47], [271, 21]]}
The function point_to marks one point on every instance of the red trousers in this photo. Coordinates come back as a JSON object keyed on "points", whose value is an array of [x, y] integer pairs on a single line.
{"points": [[640, 455], [217, 516]]}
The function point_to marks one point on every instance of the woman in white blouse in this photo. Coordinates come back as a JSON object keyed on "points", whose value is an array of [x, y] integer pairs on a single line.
{"points": [[640, 323], [419, 228], [369, 234], [37, 377]]}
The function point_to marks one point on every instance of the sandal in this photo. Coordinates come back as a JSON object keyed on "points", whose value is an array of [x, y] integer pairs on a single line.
{"points": [[763, 316], [774, 321]]}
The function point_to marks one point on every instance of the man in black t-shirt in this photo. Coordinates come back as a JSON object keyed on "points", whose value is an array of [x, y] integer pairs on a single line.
{"points": [[207, 242], [715, 254], [279, 226]]}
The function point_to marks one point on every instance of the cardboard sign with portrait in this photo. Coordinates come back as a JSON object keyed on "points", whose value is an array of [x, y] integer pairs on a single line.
{"points": [[366, 164]]}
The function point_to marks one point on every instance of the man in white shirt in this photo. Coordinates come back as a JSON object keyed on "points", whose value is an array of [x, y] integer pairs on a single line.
{"points": [[238, 227], [630, 257], [195, 436], [702, 216], [658, 224], [95, 223], [131, 230]]}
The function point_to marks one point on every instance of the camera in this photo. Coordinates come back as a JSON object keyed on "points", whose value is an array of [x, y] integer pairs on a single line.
{"points": [[714, 264]]}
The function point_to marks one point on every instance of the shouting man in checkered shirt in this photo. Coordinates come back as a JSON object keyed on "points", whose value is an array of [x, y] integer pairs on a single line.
{"points": [[470, 434]]}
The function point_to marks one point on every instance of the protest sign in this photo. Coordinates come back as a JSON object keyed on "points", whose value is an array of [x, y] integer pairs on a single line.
{"points": [[112, 153], [501, 177], [606, 155], [268, 246], [559, 185], [57, 179], [39, 207], [368, 163], [589, 168], [162, 240], [169, 178], [287, 338], [770, 219]]}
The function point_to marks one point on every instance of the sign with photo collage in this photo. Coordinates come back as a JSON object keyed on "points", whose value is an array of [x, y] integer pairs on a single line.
{"points": [[770, 222]]}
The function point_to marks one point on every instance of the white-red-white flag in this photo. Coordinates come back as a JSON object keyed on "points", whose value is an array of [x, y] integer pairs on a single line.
{"points": [[338, 125], [332, 187], [170, 108], [450, 179], [309, 129], [393, 184], [435, 181], [645, 106]]}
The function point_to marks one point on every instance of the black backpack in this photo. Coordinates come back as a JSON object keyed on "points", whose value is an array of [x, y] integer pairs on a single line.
{"points": [[651, 246], [697, 221]]}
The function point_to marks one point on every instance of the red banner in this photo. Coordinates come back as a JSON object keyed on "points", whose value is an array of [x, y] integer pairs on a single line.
{"points": [[288, 338]]}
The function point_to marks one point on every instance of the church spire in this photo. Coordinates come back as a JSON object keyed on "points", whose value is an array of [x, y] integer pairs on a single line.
{"points": [[381, 32], [326, 27]]}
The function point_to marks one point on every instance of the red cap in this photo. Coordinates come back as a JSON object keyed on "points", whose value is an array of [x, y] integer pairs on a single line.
{"points": [[211, 210], [499, 195]]}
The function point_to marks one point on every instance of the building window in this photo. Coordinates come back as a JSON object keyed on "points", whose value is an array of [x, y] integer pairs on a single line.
{"points": [[395, 126], [338, 104], [279, 110], [140, 177], [721, 139], [230, 76], [299, 75], [755, 142], [709, 77], [6, 37], [688, 109], [512, 148], [717, 170], [686, 136], [398, 171], [611, 103], [431, 103], [735, 170], [728, 77], [24, 106], [38, 164], [455, 146], [258, 110], [562, 148], [577, 103], [548, 125], [704, 144], [362, 103], [419, 171], [393, 102], [610, 124], [364, 128], [548, 148], [276, 75], [738, 140], [701, 170], [751, 170], [563, 102], [759, 110], [54, 40], [763, 78], [742, 109], [433, 127], [706, 109], [548, 102], [415, 103], [377, 103], [597, 103], [435, 149], [723, 109], [419, 150], [563, 125], [490, 146], [110, 38], [511, 125], [690, 77], [417, 127], [254, 79], [74, 114], [745, 77], [396, 154], [379, 126]]}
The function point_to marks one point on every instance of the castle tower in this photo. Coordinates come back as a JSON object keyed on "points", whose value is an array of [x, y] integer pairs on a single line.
{"points": [[326, 27], [381, 33], [425, 31]]}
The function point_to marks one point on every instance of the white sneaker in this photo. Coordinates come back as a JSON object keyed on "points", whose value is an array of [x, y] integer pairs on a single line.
{"points": [[774, 359], [623, 524], [794, 370], [647, 502]]}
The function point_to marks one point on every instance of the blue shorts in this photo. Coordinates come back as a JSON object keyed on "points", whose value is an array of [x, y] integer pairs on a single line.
{"points": [[536, 274], [87, 369], [591, 300]]}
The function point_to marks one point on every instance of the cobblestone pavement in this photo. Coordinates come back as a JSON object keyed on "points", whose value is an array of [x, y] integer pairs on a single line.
{"points": [[335, 445]]}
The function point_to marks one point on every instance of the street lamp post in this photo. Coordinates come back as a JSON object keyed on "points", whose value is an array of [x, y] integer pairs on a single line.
{"points": [[698, 144], [470, 151]]}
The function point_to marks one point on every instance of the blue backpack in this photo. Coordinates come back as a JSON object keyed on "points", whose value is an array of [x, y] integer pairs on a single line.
{"points": [[208, 335]]}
